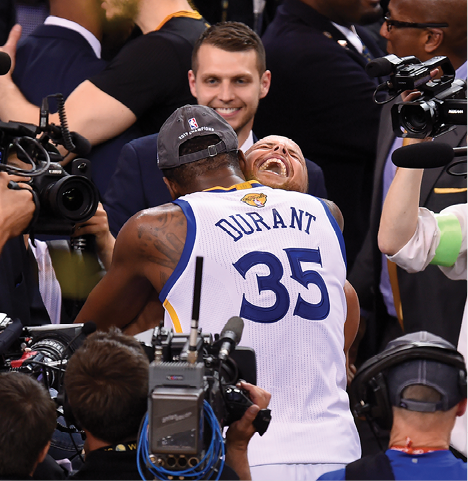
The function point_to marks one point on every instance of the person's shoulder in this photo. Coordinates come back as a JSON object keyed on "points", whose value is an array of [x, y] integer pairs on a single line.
{"points": [[312, 166], [161, 217], [150, 227], [147, 142], [181, 29]]}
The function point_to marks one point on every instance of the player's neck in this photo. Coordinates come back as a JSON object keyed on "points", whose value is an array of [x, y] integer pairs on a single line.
{"points": [[226, 177], [153, 12]]}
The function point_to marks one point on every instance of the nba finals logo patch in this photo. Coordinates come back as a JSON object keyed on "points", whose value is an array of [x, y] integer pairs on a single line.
{"points": [[193, 123], [255, 200]]}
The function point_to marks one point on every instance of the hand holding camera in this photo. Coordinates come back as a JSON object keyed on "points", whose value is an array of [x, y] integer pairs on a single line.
{"points": [[16, 207], [441, 105]]}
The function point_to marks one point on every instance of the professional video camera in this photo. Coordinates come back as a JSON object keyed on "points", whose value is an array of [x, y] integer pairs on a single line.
{"points": [[442, 104], [40, 351], [61, 199], [189, 403], [193, 396]]}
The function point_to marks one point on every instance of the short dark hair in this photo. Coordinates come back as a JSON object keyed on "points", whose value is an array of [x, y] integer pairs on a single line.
{"points": [[106, 382], [232, 37], [28, 419], [184, 174]]}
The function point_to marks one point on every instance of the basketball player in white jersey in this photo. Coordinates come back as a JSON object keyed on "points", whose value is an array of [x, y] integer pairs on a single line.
{"points": [[273, 257]]}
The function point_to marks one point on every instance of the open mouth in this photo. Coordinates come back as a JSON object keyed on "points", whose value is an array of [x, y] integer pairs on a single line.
{"points": [[275, 166]]}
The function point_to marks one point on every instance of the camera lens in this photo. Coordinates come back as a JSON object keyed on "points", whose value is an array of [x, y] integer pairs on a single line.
{"points": [[414, 117], [418, 118], [72, 199]]}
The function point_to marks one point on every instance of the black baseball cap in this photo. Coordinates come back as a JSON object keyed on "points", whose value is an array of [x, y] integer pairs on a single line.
{"points": [[186, 123], [443, 377]]}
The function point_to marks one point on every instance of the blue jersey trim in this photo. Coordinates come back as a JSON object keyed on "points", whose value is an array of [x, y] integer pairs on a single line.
{"points": [[337, 229], [186, 253]]}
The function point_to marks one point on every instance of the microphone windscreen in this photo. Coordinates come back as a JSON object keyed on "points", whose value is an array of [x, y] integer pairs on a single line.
{"points": [[82, 144], [379, 67], [88, 328], [425, 155], [5, 63], [235, 325]]}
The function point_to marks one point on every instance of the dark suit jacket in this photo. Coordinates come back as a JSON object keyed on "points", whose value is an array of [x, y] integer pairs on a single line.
{"points": [[55, 59], [321, 97], [19, 292], [138, 183], [430, 301]]}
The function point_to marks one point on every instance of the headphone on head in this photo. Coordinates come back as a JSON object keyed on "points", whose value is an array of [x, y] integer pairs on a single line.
{"points": [[368, 392]]}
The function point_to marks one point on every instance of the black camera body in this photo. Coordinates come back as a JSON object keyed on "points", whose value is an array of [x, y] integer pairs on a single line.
{"points": [[39, 351], [441, 107], [64, 199], [178, 436], [442, 104]]}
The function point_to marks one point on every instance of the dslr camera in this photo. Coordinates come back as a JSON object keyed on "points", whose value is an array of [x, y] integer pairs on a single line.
{"points": [[442, 104], [62, 199]]}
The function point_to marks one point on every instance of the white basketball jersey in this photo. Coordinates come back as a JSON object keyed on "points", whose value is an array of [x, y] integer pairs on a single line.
{"points": [[276, 259]]}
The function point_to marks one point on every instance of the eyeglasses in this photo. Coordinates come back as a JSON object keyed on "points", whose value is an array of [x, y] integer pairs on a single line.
{"points": [[397, 24]]}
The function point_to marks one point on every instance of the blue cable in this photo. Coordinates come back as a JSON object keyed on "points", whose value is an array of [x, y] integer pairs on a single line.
{"points": [[214, 453]]}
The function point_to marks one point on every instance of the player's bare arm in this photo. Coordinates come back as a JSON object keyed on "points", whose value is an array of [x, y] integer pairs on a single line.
{"points": [[161, 239], [146, 252], [351, 326], [352, 316]]}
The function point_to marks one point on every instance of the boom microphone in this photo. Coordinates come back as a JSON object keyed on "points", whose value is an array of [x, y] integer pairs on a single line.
{"points": [[383, 66], [5, 63], [425, 155], [230, 336]]}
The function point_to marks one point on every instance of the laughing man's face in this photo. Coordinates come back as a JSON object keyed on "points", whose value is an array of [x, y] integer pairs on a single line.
{"points": [[278, 162]]}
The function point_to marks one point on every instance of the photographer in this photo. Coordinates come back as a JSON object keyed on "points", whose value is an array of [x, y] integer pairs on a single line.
{"points": [[107, 387], [27, 421], [417, 385], [425, 29]]}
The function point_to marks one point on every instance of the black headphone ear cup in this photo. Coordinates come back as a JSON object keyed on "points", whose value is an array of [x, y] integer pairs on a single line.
{"points": [[462, 382], [381, 411]]}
